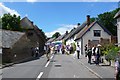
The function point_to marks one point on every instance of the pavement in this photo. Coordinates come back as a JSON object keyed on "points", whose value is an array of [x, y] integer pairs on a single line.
{"points": [[59, 66], [102, 71]]}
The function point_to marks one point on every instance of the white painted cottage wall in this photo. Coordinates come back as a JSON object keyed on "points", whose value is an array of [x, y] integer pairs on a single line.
{"points": [[69, 41], [90, 36], [118, 30]]}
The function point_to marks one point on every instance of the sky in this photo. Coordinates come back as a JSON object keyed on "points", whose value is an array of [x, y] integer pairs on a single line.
{"points": [[54, 17]]}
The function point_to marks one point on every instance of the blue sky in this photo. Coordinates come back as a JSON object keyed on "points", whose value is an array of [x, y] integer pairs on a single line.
{"points": [[58, 16]]}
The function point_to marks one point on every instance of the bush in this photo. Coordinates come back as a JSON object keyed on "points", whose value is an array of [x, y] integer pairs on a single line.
{"points": [[74, 47], [110, 51]]}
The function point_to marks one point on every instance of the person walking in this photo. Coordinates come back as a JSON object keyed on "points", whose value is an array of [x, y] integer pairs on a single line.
{"points": [[56, 49], [48, 52], [36, 51], [89, 54], [78, 51], [93, 53], [71, 48], [97, 51], [86, 50], [117, 67], [63, 49]]}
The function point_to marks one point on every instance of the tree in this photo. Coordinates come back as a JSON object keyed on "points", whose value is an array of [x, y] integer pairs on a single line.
{"points": [[56, 35], [93, 19], [108, 21], [11, 22]]}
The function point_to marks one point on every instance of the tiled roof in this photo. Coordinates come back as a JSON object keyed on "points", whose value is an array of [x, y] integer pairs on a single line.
{"points": [[78, 29], [9, 38], [39, 33], [51, 40], [87, 28], [26, 23], [75, 31], [60, 37], [69, 34]]}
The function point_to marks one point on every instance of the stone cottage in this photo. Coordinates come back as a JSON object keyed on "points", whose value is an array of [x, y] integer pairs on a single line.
{"points": [[35, 35], [16, 46]]}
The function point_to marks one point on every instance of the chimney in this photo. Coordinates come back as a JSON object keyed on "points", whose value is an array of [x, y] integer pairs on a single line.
{"points": [[78, 24], [66, 32], [88, 20]]}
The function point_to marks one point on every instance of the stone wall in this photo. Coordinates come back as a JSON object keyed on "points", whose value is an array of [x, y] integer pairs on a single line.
{"points": [[21, 50]]}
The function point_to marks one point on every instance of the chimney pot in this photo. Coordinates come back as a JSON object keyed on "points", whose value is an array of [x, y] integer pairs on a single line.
{"points": [[88, 20], [78, 24], [66, 32]]}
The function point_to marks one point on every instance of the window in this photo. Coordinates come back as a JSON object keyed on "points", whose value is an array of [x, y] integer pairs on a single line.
{"points": [[97, 33]]}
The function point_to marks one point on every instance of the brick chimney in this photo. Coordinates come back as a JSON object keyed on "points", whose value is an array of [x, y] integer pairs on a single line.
{"points": [[88, 20], [78, 24], [66, 32]]}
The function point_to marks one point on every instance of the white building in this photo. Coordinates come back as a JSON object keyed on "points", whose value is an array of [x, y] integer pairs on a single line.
{"points": [[91, 35], [117, 16], [70, 38]]}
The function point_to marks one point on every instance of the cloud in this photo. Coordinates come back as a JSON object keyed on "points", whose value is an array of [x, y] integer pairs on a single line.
{"points": [[63, 28], [4, 9]]}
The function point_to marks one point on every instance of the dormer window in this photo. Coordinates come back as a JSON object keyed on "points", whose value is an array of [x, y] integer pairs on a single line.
{"points": [[97, 33]]}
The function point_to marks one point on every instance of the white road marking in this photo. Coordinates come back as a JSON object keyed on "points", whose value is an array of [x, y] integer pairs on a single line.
{"points": [[47, 64], [74, 76], [39, 76], [48, 61], [51, 57]]}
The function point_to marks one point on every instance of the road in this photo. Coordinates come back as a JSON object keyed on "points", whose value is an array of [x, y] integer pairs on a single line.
{"points": [[60, 66]]}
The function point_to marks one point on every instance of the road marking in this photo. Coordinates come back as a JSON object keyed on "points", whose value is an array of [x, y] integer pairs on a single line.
{"points": [[48, 61], [47, 64], [51, 57], [39, 76]]}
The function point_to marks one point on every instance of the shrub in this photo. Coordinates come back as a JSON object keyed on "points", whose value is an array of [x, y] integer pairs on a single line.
{"points": [[74, 47], [110, 51]]}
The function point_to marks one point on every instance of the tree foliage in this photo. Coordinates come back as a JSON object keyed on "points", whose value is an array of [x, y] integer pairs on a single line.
{"points": [[93, 19], [11, 22], [108, 21], [110, 51], [56, 35]]}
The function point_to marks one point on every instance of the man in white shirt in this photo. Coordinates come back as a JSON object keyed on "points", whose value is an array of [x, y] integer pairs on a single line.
{"points": [[93, 53], [78, 51]]}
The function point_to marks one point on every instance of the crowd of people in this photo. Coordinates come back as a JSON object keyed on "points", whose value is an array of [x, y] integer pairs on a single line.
{"points": [[93, 53]]}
